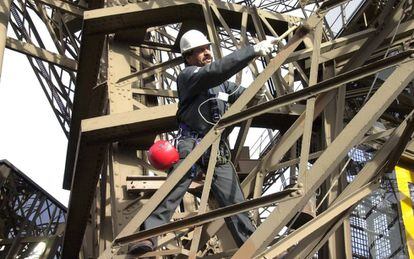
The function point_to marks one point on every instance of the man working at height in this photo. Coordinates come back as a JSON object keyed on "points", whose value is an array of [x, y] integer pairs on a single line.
{"points": [[204, 94]]}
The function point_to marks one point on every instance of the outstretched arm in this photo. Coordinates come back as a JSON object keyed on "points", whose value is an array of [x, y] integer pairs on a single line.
{"points": [[197, 79]]}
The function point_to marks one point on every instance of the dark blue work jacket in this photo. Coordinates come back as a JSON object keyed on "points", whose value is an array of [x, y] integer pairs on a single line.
{"points": [[194, 82]]}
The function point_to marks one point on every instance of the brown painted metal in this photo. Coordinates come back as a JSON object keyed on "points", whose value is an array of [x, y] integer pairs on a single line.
{"points": [[125, 98]]}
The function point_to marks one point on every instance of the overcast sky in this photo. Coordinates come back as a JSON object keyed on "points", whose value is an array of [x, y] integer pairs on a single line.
{"points": [[30, 135]]}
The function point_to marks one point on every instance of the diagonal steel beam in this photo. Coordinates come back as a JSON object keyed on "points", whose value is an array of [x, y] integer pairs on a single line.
{"points": [[370, 170], [64, 6], [319, 222], [198, 220], [204, 198], [373, 41], [387, 158], [144, 73], [270, 161], [318, 88], [210, 137], [322, 168]]}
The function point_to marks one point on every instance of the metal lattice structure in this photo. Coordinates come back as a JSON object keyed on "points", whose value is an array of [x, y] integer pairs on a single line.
{"points": [[29, 217], [340, 81]]}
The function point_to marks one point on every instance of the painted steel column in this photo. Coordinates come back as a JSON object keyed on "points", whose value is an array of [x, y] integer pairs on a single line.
{"points": [[121, 159], [211, 29], [204, 198], [4, 20]]}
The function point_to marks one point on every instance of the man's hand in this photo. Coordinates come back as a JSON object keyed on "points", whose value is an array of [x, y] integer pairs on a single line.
{"points": [[263, 48]]}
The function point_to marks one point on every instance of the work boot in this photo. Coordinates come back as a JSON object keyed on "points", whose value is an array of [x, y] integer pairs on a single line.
{"points": [[141, 247]]}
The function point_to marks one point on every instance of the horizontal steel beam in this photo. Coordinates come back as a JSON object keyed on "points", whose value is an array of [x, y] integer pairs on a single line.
{"points": [[129, 124], [150, 121], [162, 12], [155, 92], [210, 216], [42, 54], [64, 6]]}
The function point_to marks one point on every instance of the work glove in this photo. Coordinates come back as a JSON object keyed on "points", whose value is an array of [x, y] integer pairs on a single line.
{"points": [[263, 48]]}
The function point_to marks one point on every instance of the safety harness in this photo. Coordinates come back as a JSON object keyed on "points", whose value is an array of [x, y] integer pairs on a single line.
{"points": [[185, 132], [215, 111], [223, 155]]}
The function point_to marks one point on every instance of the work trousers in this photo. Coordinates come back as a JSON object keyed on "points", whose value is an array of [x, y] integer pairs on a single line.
{"points": [[225, 188]]}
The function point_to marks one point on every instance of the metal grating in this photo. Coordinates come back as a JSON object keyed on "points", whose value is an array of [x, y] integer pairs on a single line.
{"points": [[375, 221]]}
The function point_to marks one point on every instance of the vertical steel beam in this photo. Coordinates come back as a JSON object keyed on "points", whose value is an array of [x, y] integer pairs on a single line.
{"points": [[204, 198], [4, 21], [262, 36], [310, 103], [120, 100], [211, 29], [105, 228]]}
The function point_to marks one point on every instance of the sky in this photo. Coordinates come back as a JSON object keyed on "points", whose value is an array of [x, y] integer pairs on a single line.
{"points": [[30, 135]]}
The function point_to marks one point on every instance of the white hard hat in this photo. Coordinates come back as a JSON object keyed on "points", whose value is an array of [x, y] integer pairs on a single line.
{"points": [[192, 39]]}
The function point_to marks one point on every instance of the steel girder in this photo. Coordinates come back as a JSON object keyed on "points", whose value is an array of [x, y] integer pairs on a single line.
{"points": [[129, 47], [29, 215], [96, 130]]}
